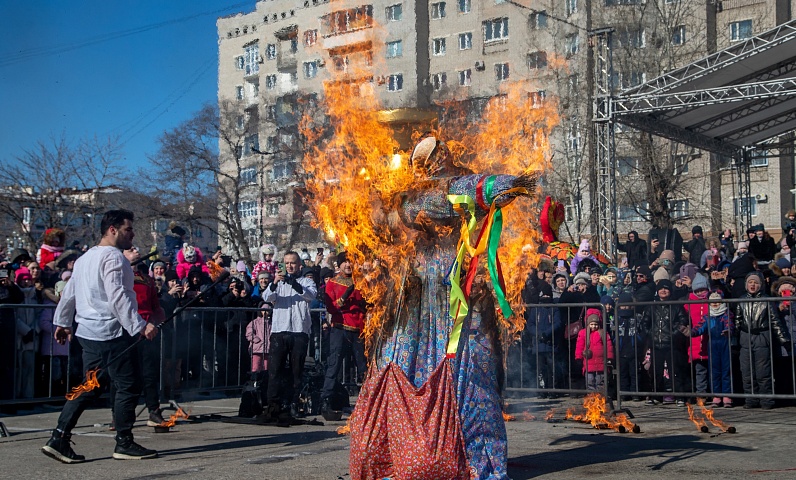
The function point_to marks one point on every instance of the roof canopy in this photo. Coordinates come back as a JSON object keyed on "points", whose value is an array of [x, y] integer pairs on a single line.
{"points": [[740, 97]]}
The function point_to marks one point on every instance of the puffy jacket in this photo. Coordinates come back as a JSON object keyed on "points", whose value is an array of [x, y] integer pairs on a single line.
{"points": [[757, 317], [663, 323], [593, 341], [697, 312]]}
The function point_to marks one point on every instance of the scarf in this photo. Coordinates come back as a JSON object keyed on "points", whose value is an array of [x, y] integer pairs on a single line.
{"points": [[718, 311]]}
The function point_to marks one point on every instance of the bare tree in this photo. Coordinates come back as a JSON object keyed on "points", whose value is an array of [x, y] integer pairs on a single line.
{"points": [[63, 185]]}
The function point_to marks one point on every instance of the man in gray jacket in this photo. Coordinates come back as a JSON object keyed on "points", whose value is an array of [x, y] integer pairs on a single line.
{"points": [[290, 294]]}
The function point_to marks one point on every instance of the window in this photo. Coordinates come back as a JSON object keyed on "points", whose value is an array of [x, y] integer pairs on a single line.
{"points": [[626, 166], [251, 142], [240, 122], [248, 176], [293, 78], [572, 6], [342, 21], [571, 44], [464, 78], [310, 37], [537, 60], [630, 213], [680, 162], [439, 80], [537, 98], [282, 169], [678, 208], [538, 20], [501, 72], [251, 59], [464, 6], [294, 45], [759, 158], [633, 79], [270, 112], [270, 82], [394, 13], [239, 62], [496, 29], [270, 51], [310, 69], [740, 30], [395, 83], [573, 83], [239, 92], [438, 46], [438, 10], [573, 138], [678, 35], [631, 38], [247, 209], [272, 210], [466, 41], [745, 205], [395, 49]]}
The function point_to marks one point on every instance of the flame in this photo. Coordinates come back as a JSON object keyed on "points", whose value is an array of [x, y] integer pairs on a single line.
{"points": [[550, 415], [708, 413], [528, 416], [596, 408], [698, 421], [180, 413], [90, 384], [355, 171], [507, 417]]}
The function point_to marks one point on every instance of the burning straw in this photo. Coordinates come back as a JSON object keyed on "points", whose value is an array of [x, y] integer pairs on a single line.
{"points": [[90, 384], [706, 413], [596, 409], [180, 413]]}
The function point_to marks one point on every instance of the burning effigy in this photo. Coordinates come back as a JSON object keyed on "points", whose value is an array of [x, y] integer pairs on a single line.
{"points": [[426, 229]]}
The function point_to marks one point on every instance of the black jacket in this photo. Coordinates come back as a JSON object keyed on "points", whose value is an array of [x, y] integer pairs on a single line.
{"points": [[758, 317], [636, 251], [764, 250], [662, 322], [695, 248]]}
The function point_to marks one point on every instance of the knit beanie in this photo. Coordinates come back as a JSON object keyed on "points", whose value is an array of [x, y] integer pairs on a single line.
{"points": [[666, 283], [783, 263], [591, 313], [660, 274], [582, 277], [699, 283], [625, 298]]}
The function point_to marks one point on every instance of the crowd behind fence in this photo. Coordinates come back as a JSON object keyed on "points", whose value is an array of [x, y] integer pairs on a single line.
{"points": [[633, 355]]}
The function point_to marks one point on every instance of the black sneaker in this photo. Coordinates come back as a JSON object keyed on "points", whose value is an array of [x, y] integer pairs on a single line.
{"points": [[155, 419], [59, 447], [130, 450]]}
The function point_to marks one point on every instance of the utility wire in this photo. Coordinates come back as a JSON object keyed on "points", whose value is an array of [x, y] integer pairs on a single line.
{"points": [[34, 52], [553, 17]]}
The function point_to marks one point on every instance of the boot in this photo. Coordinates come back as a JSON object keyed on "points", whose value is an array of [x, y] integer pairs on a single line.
{"points": [[59, 447], [127, 449]]}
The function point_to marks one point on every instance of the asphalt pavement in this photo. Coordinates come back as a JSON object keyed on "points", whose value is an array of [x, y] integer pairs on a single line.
{"points": [[210, 447]]}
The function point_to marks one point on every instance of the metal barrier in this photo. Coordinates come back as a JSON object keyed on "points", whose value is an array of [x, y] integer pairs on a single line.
{"points": [[201, 350], [654, 360]]}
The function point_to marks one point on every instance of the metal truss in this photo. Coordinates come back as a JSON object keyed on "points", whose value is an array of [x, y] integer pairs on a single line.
{"points": [[743, 205], [604, 143], [781, 89], [770, 128], [681, 135], [754, 46]]}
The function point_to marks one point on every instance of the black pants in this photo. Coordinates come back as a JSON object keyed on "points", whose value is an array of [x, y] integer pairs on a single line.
{"points": [[756, 366], [286, 346], [343, 343], [123, 373], [676, 362], [149, 353]]}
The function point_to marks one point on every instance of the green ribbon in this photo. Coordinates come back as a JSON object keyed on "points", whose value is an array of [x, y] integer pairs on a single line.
{"points": [[458, 302]]}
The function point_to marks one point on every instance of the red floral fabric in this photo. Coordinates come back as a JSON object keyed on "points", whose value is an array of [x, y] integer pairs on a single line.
{"points": [[404, 432]]}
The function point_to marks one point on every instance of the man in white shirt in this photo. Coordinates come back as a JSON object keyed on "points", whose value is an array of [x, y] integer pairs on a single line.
{"points": [[101, 300], [290, 294]]}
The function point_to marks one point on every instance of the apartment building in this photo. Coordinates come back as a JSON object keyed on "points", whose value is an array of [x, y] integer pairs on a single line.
{"points": [[424, 53]]}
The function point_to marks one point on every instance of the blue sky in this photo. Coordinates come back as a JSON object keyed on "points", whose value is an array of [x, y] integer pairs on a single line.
{"points": [[108, 68]]}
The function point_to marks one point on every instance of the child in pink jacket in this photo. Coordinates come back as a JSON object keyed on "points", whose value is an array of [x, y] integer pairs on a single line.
{"points": [[593, 348]]}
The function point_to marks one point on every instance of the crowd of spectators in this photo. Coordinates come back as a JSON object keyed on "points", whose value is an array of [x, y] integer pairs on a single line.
{"points": [[665, 316], [220, 346]]}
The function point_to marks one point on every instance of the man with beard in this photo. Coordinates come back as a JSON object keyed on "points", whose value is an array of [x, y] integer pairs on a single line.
{"points": [[101, 299]]}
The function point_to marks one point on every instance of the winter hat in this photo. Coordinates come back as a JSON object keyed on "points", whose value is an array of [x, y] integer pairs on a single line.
{"points": [[22, 274], [667, 255], [66, 275], [546, 265], [189, 253], [783, 263], [660, 274], [644, 270], [760, 228], [625, 298], [158, 264], [267, 250], [171, 275], [607, 300], [791, 213], [264, 275], [341, 258], [307, 271], [19, 255], [585, 247], [591, 313], [582, 277], [666, 283], [545, 293], [754, 276], [240, 266], [327, 272], [785, 280], [699, 283], [696, 229], [688, 270]]}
